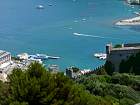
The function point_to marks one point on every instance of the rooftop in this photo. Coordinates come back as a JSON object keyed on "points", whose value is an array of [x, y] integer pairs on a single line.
{"points": [[2, 53], [125, 48]]}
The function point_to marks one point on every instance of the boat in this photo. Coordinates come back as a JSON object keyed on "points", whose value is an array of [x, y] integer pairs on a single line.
{"points": [[137, 13], [76, 34], [53, 57], [40, 7], [103, 57], [50, 4], [37, 60], [43, 56], [100, 55]]}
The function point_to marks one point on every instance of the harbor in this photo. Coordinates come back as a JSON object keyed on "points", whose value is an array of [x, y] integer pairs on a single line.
{"points": [[22, 61]]}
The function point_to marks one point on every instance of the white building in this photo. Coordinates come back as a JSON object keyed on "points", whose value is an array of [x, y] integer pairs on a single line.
{"points": [[53, 68], [23, 56], [5, 58], [3, 76]]}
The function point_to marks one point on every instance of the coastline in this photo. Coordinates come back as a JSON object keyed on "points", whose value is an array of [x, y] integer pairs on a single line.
{"points": [[131, 21]]}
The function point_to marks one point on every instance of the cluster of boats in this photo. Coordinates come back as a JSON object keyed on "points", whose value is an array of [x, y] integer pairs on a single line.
{"points": [[37, 57], [43, 56], [101, 56]]}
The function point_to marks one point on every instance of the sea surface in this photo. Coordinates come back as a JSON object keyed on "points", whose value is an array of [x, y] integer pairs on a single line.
{"points": [[23, 28]]}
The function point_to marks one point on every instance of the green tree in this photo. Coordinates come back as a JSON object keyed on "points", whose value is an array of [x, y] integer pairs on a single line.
{"points": [[36, 86]]}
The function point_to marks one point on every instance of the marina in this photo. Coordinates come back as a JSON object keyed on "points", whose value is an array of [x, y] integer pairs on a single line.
{"points": [[23, 60]]}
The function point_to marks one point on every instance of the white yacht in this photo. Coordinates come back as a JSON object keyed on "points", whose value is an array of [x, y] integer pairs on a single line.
{"points": [[100, 55], [43, 57], [40, 7]]}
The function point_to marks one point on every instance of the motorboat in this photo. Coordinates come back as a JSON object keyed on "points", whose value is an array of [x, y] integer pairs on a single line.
{"points": [[40, 7], [37, 60], [137, 13], [53, 57], [50, 4], [100, 55], [43, 57]]}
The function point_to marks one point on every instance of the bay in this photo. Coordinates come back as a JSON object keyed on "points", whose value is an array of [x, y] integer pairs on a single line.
{"points": [[23, 28]]}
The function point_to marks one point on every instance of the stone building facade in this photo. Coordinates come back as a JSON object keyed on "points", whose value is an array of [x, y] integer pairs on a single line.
{"points": [[116, 55]]}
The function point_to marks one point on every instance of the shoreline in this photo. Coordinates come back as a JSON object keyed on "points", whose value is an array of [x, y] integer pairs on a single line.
{"points": [[131, 21]]}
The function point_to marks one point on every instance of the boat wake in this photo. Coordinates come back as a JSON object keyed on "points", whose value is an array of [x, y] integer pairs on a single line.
{"points": [[94, 36]]}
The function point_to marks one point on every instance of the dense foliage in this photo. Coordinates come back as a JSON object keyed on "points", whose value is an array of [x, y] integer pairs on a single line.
{"points": [[118, 46], [36, 86], [132, 65], [123, 89]]}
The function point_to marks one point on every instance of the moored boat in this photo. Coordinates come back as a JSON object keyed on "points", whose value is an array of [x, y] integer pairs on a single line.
{"points": [[40, 7], [100, 55]]}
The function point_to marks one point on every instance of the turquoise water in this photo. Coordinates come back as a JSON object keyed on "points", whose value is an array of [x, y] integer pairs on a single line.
{"points": [[23, 28]]}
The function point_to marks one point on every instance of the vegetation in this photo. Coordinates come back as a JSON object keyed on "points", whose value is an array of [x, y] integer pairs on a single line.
{"points": [[132, 65], [75, 69], [118, 46], [123, 89], [36, 86]]}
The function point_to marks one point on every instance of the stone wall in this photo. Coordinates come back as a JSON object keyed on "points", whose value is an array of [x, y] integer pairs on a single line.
{"points": [[117, 55]]}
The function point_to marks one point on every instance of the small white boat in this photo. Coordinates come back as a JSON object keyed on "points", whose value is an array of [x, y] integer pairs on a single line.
{"points": [[53, 57], [100, 55], [42, 56], [83, 19], [137, 13], [76, 33], [40, 7], [37, 60], [50, 4]]}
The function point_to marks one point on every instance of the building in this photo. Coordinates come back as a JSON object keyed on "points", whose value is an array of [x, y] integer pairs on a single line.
{"points": [[23, 56], [3, 76], [116, 55], [73, 72], [53, 68], [5, 58]]}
